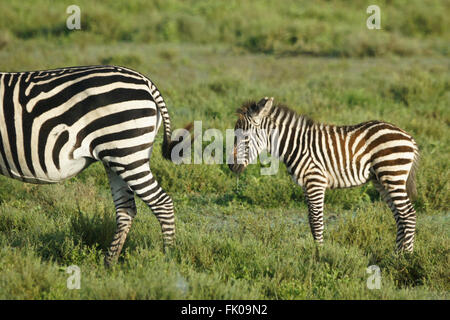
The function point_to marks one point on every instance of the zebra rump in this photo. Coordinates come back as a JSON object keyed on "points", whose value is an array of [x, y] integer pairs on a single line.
{"points": [[55, 123]]}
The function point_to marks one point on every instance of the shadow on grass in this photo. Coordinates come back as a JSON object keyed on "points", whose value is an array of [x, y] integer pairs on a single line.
{"points": [[226, 199], [87, 237], [407, 269]]}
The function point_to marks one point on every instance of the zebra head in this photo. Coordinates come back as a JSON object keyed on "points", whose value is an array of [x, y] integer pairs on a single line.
{"points": [[250, 134]]}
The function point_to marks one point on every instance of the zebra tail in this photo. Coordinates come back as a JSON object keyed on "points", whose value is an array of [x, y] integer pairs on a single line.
{"points": [[411, 188], [169, 144]]}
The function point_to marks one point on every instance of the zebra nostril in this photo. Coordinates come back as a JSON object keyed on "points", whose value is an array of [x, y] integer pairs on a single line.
{"points": [[236, 168], [240, 168]]}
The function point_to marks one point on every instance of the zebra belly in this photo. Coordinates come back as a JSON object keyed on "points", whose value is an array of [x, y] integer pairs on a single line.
{"points": [[71, 169], [355, 174]]}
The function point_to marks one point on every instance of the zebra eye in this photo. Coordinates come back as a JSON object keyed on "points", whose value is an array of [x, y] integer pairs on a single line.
{"points": [[254, 123]]}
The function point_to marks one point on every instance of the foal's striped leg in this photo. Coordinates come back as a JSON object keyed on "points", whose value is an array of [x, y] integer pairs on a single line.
{"points": [[404, 214], [315, 194]]}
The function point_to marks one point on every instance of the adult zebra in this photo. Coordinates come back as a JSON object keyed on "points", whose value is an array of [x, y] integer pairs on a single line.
{"points": [[320, 156], [55, 123]]}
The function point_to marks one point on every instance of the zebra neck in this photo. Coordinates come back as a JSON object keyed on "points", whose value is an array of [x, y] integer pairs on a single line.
{"points": [[288, 138]]}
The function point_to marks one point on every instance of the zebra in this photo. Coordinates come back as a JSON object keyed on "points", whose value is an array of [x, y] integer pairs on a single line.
{"points": [[55, 123], [320, 156]]}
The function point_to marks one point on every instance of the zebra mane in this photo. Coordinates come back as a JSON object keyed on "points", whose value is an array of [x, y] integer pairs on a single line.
{"points": [[245, 108], [248, 109], [288, 112]]}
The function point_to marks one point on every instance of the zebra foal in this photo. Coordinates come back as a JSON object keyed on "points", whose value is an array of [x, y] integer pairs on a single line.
{"points": [[320, 156], [55, 123]]}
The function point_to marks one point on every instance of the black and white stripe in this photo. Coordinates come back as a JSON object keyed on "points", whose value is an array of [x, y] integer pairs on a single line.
{"points": [[320, 156], [55, 123]]}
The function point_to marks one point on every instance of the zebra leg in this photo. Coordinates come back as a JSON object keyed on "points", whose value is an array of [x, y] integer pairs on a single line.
{"points": [[315, 194], [123, 198], [162, 207], [140, 179], [404, 214]]}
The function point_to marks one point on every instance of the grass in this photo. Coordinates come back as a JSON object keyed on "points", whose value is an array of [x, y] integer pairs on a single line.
{"points": [[246, 238]]}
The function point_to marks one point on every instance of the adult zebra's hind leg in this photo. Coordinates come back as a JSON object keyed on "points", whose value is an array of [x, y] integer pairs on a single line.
{"points": [[404, 214], [161, 205], [123, 198], [140, 179]]}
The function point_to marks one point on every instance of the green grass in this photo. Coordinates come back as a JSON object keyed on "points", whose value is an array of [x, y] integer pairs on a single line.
{"points": [[246, 238]]}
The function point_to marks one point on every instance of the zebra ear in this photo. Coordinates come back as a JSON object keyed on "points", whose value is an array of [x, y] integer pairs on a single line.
{"points": [[264, 106]]}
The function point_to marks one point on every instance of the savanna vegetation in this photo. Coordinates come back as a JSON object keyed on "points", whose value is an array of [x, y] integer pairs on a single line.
{"points": [[245, 238]]}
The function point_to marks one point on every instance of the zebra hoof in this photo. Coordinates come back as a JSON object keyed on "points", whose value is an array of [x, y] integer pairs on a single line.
{"points": [[109, 261], [169, 251]]}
